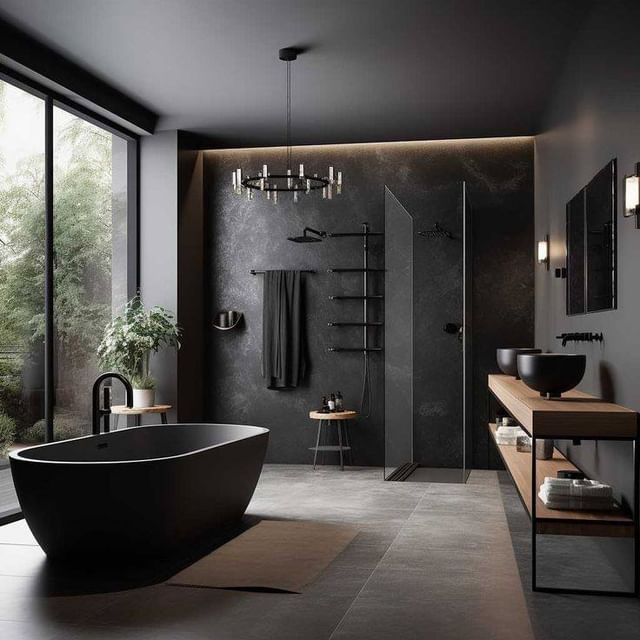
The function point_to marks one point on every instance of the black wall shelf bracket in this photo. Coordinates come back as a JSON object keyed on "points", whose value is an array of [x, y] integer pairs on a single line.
{"points": [[355, 324], [355, 270]]}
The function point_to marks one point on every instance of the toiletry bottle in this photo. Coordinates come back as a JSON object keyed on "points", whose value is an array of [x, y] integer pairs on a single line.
{"points": [[325, 406], [339, 402], [332, 402]]}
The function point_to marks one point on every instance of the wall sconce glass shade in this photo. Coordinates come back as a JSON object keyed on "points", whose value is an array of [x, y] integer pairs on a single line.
{"points": [[543, 252], [632, 193]]}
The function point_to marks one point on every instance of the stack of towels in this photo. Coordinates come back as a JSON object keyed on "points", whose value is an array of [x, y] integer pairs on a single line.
{"points": [[508, 435], [564, 493]]}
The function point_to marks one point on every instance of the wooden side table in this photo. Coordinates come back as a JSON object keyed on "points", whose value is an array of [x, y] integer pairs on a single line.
{"points": [[122, 410], [341, 420]]}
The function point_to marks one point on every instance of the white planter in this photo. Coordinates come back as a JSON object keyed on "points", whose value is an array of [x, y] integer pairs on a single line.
{"points": [[143, 398]]}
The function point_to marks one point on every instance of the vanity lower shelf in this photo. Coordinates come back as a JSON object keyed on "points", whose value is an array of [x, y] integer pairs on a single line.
{"points": [[615, 524]]}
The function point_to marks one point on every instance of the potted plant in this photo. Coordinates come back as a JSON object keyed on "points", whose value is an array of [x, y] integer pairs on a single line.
{"points": [[128, 341]]}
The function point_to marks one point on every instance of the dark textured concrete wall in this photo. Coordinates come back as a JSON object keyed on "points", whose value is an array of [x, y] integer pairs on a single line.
{"points": [[426, 177]]}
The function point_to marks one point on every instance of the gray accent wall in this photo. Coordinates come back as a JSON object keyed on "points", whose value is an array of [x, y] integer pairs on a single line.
{"points": [[242, 235], [159, 246], [594, 117]]}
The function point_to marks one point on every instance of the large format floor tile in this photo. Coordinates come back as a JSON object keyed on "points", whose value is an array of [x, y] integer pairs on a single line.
{"points": [[442, 561]]}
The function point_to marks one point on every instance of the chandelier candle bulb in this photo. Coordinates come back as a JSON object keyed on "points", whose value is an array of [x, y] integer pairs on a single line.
{"points": [[308, 186], [264, 171], [301, 171], [330, 175], [339, 178]]}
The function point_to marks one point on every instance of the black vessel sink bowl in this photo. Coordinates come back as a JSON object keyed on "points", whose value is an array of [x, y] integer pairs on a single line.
{"points": [[551, 373], [507, 359]]}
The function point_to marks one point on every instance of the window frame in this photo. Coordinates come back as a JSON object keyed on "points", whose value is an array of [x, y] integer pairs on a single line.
{"points": [[53, 99]]}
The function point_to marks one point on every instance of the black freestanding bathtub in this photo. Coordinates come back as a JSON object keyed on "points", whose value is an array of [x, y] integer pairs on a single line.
{"points": [[140, 491]]}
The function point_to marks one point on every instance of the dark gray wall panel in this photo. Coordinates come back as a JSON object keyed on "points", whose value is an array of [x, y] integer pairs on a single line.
{"points": [[594, 118], [244, 235]]}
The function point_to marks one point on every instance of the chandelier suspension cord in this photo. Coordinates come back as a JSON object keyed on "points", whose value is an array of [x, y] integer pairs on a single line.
{"points": [[289, 166]]}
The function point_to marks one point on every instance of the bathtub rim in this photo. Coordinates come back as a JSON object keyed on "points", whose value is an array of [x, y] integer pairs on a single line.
{"points": [[15, 455]]}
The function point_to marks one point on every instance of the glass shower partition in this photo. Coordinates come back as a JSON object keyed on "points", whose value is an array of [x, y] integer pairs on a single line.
{"points": [[398, 321], [428, 351]]}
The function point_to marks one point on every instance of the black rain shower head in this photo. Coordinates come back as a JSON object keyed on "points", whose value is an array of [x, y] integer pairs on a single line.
{"points": [[436, 232], [305, 237]]}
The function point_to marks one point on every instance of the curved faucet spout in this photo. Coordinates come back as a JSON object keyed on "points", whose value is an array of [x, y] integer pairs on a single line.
{"points": [[105, 411]]}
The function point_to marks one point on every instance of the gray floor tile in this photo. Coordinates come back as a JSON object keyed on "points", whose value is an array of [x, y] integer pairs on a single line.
{"points": [[17, 533], [429, 561], [21, 560]]}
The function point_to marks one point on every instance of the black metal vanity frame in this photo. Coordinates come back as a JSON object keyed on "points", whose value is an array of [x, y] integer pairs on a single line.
{"points": [[634, 441]]}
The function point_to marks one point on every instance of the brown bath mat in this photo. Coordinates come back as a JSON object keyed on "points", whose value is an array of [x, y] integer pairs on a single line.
{"points": [[272, 556]]}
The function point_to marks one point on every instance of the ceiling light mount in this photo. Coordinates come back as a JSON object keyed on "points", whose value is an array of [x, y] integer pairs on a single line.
{"points": [[299, 182], [289, 54]]}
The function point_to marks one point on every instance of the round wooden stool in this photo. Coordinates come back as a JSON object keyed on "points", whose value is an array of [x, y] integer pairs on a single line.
{"points": [[341, 420], [122, 410]]}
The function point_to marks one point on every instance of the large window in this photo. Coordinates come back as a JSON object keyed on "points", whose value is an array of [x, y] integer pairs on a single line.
{"points": [[90, 224], [90, 259]]}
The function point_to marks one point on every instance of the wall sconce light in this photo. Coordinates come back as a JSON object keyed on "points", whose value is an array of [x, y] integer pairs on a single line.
{"points": [[632, 195], [543, 251]]}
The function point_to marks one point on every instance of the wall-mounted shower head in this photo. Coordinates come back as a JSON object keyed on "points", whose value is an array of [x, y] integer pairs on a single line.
{"points": [[305, 237], [436, 232]]}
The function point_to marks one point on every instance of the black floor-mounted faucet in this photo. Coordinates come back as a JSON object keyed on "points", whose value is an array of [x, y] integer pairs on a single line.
{"points": [[105, 411]]}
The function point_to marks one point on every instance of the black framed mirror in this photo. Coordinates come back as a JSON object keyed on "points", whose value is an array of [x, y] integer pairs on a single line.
{"points": [[591, 245]]}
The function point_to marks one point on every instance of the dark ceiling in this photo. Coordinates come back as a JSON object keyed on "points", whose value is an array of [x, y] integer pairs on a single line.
{"points": [[375, 70]]}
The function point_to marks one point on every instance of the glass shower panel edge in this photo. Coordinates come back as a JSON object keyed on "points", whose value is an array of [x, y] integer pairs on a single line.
{"points": [[398, 321]]}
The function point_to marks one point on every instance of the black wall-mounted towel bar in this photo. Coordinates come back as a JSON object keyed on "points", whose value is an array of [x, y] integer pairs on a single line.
{"points": [[358, 349], [354, 270], [356, 297], [360, 234], [256, 272], [355, 324]]}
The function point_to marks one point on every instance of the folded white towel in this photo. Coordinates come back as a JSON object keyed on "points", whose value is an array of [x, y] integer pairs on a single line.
{"points": [[508, 430], [576, 488], [508, 435], [576, 504]]}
